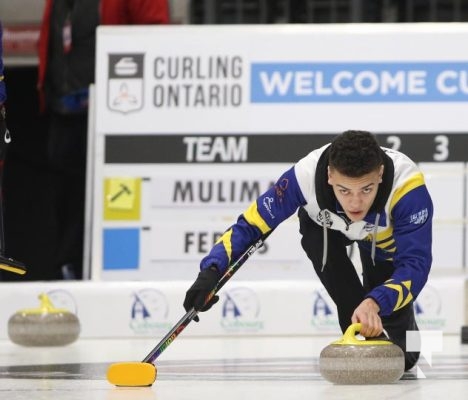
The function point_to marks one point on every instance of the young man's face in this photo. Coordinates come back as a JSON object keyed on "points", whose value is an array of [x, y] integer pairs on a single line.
{"points": [[355, 195]]}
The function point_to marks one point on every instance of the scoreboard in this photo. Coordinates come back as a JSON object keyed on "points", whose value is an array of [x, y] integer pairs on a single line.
{"points": [[192, 123]]}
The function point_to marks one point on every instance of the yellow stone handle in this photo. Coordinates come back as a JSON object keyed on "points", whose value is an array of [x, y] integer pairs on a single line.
{"points": [[46, 307], [349, 338]]}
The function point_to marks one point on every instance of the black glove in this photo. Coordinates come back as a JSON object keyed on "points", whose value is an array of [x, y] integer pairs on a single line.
{"points": [[201, 288]]}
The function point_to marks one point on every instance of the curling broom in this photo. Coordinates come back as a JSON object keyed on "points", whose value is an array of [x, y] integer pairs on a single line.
{"points": [[144, 373]]}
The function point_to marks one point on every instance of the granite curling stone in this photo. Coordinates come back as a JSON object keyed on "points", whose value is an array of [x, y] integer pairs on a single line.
{"points": [[351, 361], [43, 326]]}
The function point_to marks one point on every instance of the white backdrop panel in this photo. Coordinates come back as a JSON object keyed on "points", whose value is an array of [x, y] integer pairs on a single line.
{"points": [[199, 120]]}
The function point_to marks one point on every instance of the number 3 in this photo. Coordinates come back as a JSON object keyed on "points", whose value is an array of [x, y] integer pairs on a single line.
{"points": [[442, 150]]}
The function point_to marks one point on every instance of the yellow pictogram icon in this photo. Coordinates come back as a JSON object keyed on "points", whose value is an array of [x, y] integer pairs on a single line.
{"points": [[122, 198]]}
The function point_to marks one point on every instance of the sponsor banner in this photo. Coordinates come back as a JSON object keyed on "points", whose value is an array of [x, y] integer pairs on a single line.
{"points": [[282, 307], [151, 309], [374, 75]]}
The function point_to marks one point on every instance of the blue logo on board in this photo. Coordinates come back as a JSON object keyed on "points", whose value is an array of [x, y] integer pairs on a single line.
{"points": [[149, 312], [241, 310]]}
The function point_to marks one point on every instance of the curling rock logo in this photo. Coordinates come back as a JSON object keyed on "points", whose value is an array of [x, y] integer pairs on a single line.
{"points": [[149, 312], [241, 311], [125, 84], [324, 316]]}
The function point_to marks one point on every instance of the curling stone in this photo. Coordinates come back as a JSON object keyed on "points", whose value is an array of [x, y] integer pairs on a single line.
{"points": [[351, 361], [43, 326]]}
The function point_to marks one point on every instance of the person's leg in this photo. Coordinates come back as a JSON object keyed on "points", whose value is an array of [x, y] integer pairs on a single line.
{"points": [[399, 321], [339, 275], [67, 158], [396, 325]]}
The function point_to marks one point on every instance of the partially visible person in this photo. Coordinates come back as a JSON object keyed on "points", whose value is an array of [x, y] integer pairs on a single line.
{"points": [[350, 190], [6, 264], [66, 69]]}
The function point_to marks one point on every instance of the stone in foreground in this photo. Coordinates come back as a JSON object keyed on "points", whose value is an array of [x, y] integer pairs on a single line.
{"points": [[351, 361], [43, 326]]}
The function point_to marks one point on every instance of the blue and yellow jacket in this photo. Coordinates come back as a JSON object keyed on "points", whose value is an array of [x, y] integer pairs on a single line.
{"points": [[397, 228]]}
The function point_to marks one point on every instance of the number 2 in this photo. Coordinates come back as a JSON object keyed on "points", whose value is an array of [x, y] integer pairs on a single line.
{"points": [[394, 142]]}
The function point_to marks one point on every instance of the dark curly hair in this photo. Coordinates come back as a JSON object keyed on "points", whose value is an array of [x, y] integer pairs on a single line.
{"points": [[355, 153]]}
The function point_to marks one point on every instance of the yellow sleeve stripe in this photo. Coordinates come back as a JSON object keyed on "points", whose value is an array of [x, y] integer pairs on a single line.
{"points": [[385, 242], [386, 245], [401, 301], [415, 181], [383, 236], [1, 78], [399, 289], [226, 240], [253, 217], [406, 302]]}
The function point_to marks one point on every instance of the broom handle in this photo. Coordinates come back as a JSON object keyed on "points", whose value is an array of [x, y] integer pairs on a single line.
{"points": [[187, 318]]}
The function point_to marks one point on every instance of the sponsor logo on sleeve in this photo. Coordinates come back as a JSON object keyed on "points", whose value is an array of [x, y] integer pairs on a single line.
{"points": [[267, 205], [420, 217]]}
